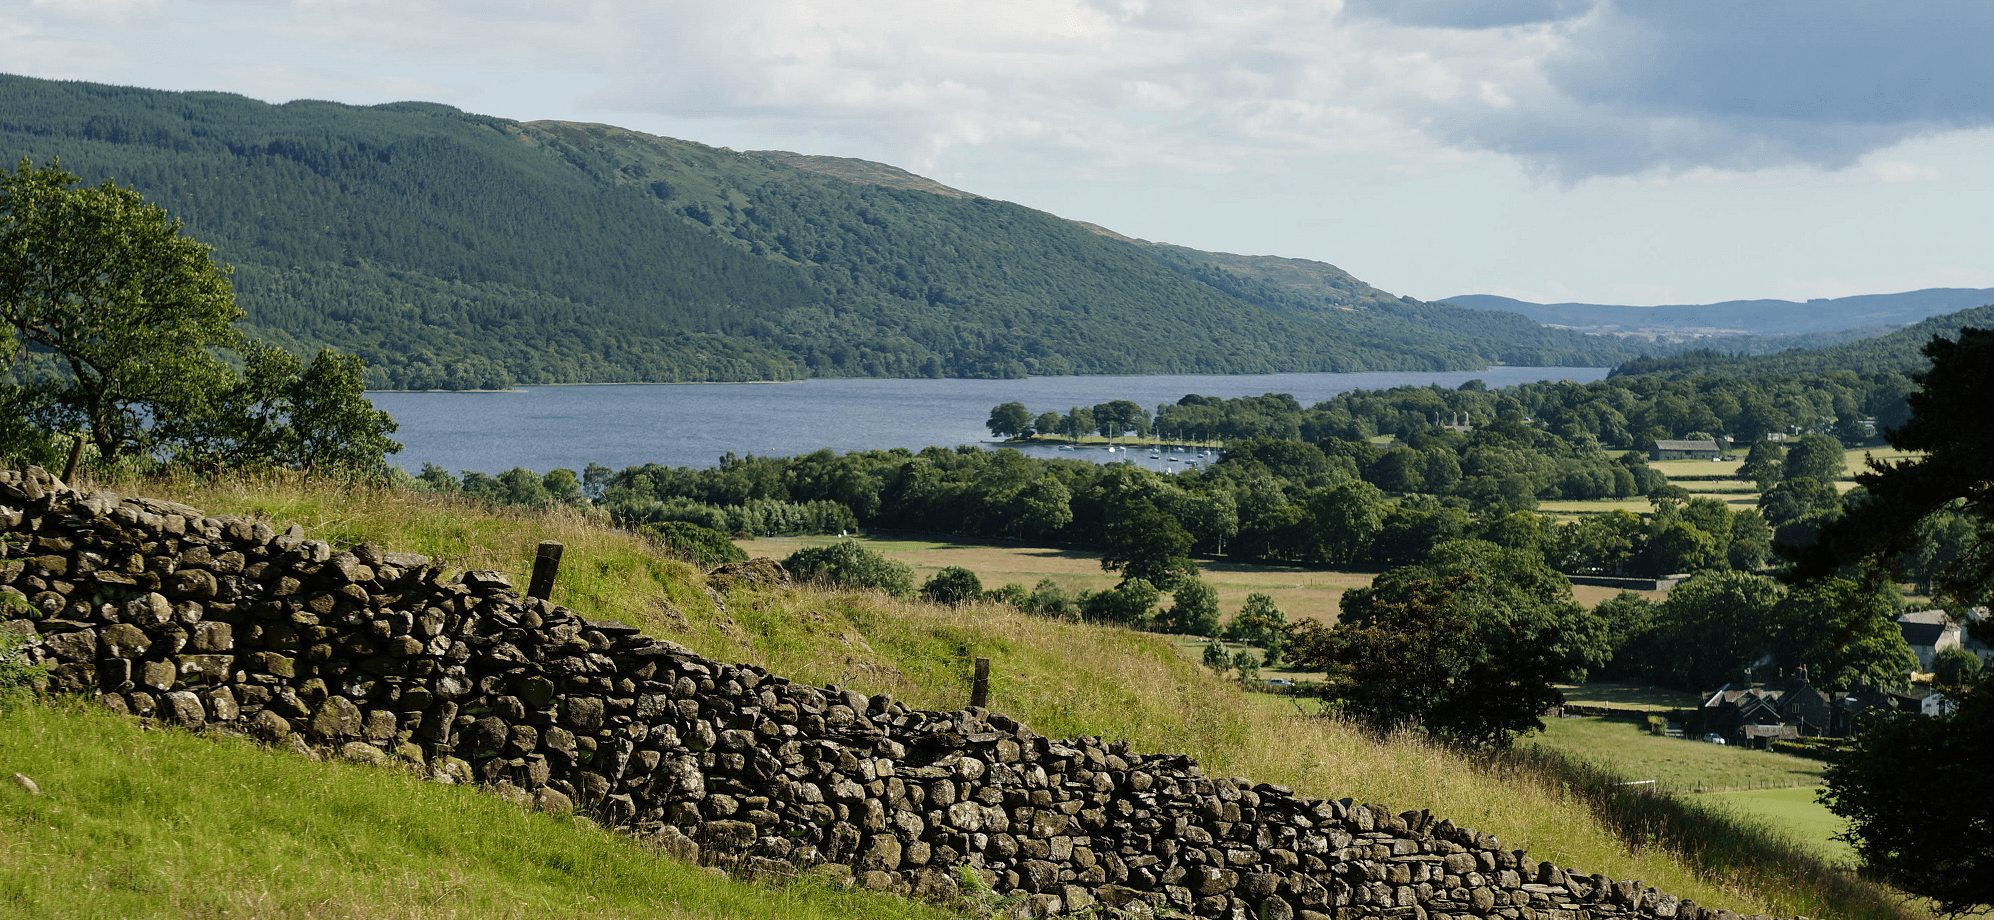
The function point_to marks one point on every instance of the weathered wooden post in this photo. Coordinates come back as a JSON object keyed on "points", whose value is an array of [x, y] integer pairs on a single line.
{"points": [[69, 469], [546, 565], [979, 690]]}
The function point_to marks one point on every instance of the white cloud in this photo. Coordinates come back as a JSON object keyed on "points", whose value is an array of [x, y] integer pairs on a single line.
{"points": [[1573, 89]]}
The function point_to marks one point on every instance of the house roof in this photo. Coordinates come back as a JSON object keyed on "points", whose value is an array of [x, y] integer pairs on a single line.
{"points": [[1685, 445]]}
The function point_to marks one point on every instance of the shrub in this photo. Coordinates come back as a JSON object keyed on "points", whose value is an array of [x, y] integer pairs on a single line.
{"points": [[847, 564], [953, 586], [1048, 599], [703, 546], [1131, 603]]}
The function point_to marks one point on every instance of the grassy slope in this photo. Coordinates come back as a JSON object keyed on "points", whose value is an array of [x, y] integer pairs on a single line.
{"points": [[1063, 679], [1777, 789], [140, 822]]}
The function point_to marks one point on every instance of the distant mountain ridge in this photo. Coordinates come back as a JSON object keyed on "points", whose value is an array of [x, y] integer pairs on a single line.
{"points": [[454, 250], [1682, 322]]}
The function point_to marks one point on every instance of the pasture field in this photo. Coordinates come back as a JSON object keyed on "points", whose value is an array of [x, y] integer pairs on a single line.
{"points": [[1300, 593], [1303, 594], [1619, 695], [1676, 764]]}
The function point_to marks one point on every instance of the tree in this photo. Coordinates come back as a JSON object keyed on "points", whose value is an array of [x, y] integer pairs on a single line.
{"points": [[1247, 663], [1048, 599], [1009, 420], [1628, 617], [1194, 609], [1763, 465], [1682, 548], [1863, 646], [282, 412], [1212, 517], [1042, 508], [1816, 456], [699, 545], [1950, 425], [1046, 423], [130, 309], [1933, 846], [1217, 657], [1713, 627], [1513, 588], [1259, 621], [1799, 499], [596, 478], [1955, 669], [1079, 421], [562, 485], [1422, 655], [1141, 541], [953, 586]]}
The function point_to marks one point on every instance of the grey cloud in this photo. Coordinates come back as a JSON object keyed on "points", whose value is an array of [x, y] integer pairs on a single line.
{"points": [[1741, 86], [1827, 62]]}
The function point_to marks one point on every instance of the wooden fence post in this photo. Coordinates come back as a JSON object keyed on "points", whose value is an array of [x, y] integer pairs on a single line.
{"points": [[69, 469], [979, 691], [546, 565]]}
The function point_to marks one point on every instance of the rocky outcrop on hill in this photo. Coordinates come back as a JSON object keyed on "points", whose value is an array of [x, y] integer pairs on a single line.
{"points": [[163, 612]]}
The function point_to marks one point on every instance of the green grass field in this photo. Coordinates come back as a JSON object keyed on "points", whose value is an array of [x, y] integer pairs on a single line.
{"points": [[1796, 812], [1777, 789], [1718, 480], [1675, 763]]}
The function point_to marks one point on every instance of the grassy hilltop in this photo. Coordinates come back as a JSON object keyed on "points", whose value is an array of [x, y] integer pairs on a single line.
{"points": [[152, 817]]}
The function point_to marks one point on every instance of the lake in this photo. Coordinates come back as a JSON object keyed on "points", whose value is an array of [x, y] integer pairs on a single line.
{"points": [[622, 425]]}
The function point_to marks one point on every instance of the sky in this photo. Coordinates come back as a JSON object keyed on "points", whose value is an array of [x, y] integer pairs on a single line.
{"points": [[1688, 151]]}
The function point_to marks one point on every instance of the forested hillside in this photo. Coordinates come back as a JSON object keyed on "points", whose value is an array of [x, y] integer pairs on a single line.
{"points": [[1898, 352], [453, 250]]}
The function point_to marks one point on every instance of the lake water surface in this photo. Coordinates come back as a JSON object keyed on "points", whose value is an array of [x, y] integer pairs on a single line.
{"points": [[541, 428]]}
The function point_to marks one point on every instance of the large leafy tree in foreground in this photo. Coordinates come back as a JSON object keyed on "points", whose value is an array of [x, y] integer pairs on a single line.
{"points": [[127, 319], [1920, 809], [130, 309], [1914, 790]]}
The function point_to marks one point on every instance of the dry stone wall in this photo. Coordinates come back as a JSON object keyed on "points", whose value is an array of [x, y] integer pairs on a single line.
{"points": [[163, 612]]}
